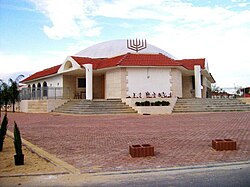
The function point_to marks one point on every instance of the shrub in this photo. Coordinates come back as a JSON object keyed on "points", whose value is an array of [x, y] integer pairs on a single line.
{"points": [[137, 103], [147, 103], [17, 140], [158, 103], [3, 131], [165, 103], [152, 104]]}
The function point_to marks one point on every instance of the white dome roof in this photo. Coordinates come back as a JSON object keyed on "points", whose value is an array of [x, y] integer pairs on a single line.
{"points": [[115, 48]]}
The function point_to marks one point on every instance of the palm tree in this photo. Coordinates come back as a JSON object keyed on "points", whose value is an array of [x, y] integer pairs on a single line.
{"points": [[13, 91], [5, 97], [1, 99]]}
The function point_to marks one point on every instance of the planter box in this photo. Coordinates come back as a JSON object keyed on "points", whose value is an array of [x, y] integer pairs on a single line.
{"points": [[230, 144], [226, 144], [141, 150]]}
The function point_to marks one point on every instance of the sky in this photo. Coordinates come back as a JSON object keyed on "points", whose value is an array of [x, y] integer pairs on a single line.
{"points": [[38, 34]]}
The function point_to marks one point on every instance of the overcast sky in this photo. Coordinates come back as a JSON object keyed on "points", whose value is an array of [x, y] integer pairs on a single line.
{"points": [[37, 34]]}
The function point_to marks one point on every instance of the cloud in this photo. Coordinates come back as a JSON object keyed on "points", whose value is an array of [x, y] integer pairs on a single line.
{"points": [[24, 63], [216, 32], [68, 18], [226, 50]]}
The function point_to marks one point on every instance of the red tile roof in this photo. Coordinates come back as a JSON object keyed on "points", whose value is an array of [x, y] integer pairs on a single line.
{"points": [[43, 73], [125, 60], [128, 60], [190, 63]]}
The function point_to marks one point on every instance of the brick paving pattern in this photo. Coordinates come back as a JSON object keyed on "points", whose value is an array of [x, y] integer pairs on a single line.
{"points": [[100, 143]]}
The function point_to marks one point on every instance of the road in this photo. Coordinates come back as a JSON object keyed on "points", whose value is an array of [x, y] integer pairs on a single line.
{"points": [[229, 175], [237, 175]]}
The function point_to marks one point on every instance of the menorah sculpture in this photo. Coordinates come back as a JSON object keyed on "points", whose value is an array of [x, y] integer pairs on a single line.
{"points": [[136, 45]]}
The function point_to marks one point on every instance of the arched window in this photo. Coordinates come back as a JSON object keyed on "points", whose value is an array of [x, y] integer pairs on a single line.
{"points": [[33, 91], [45, 89], [67, 65], [39, 90], [29, 92]]}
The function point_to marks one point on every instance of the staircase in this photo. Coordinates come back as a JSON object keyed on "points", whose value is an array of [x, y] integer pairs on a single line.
{"points": [[36, 106], [209, 105], [115, 106]]}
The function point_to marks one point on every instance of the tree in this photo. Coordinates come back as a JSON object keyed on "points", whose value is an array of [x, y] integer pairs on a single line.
{"points": [[3, 131], [1, 99], [217, 89], [13, 91], [5, 96]]}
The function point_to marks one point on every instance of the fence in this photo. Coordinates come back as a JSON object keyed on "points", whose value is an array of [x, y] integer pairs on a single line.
{"points": [[232, 92], [45, 93]]}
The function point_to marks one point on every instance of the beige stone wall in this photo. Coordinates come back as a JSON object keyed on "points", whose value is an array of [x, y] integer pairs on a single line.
{"points": [[245, 100], [187, 87], [54, 103], [151, 109], [113, 85], [176, 83], [40, 106], [37, 106], [23, 105], [69, 86], [206, 85], [148, 79], [124, 81]]}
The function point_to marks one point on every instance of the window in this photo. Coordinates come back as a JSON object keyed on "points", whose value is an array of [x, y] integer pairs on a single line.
{"points": [[81, 83], [45, 89], [68, 65]]}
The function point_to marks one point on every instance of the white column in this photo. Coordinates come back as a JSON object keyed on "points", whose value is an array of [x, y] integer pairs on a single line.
{"points": [[197, 77], [89, 81]]}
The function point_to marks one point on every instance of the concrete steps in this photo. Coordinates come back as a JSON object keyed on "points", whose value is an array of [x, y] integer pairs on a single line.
{"points": [[210, 105], [37, 106], [95, 107]]}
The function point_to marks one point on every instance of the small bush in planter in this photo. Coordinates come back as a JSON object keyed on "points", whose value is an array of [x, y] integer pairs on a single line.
{"points": [[137, 103], [142, 103], [158, 103], [147, 103], [152, 104], [19, 157], [3, 131], [165, 103]]}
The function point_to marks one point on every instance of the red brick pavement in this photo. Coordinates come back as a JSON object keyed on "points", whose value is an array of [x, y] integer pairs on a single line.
{"points": [[100, 143]]}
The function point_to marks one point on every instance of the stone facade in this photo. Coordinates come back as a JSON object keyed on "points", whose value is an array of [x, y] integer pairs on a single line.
{"points": [[113, 86], [176, 83]]}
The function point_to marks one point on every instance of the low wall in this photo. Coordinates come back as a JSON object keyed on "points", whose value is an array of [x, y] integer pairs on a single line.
{"points": [[151, 109], [54, 103], [40, 106], [245, 100]]}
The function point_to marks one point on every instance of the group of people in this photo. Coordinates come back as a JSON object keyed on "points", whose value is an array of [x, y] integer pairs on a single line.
{"points": [[152, 95]]}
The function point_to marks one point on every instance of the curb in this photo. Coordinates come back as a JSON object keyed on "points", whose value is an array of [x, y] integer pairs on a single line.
{"points": [[47, 156], [207, 166]]}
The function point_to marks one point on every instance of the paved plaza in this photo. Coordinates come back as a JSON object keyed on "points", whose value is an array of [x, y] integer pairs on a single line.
{"points": [[100, 143]]}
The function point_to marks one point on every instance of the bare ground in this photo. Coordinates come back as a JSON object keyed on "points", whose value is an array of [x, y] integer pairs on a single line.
{"points": [[34, 164]]}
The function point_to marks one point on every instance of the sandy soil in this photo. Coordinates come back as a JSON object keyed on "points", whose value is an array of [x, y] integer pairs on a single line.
{"points": [[33, 164]]}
